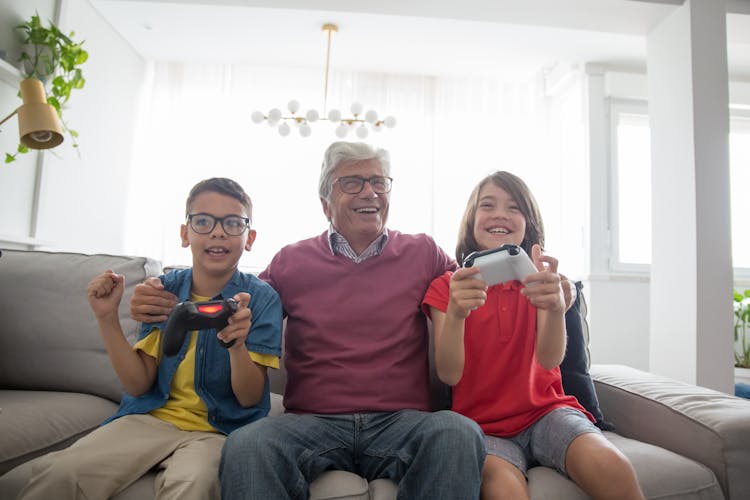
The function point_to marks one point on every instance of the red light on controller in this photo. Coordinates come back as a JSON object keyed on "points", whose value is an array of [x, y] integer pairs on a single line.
{"points": [[210, 309]]}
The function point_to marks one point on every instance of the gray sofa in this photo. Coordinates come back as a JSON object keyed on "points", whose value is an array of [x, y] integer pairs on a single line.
{"points": [[56, 384]]}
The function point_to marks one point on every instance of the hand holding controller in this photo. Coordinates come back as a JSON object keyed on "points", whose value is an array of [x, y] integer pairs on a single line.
{"points": [[187, 316], [499, 265]]}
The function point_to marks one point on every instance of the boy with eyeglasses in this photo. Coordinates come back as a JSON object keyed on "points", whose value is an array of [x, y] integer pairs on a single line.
{"points": [[177, 410]]}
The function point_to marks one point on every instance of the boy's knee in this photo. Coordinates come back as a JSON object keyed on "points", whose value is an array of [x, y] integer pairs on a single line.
{"points": [[54, 470]]}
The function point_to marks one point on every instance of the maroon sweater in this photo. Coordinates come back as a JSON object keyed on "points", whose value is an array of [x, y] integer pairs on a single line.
{"points": [[356, 339]]}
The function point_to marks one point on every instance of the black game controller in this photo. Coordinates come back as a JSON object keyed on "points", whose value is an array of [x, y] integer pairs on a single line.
{"points": [[498, 265], [188, 316]]}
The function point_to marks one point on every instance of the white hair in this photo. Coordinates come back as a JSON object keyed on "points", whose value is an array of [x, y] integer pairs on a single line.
{"points": [[341, 151]]}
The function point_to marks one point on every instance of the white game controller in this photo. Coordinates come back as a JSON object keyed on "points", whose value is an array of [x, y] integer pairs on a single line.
{"points": [[499, 265]]}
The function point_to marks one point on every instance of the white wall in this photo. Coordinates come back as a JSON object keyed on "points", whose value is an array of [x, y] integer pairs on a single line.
{"points": [[17, 180], [82, 197], [620, 304], [691, 236]]}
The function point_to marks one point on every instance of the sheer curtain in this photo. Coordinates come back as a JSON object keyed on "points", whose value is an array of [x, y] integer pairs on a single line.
{"points": [[195, 123]]}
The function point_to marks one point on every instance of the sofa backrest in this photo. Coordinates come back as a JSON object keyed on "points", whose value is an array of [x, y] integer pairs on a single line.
{"points": [[49, 339]]}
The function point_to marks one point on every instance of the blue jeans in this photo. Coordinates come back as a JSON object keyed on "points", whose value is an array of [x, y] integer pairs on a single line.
{"points": [[430, 455], [742, 390]]}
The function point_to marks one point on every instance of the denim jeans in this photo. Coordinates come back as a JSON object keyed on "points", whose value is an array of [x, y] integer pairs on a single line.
{"points": [[430, 455]]}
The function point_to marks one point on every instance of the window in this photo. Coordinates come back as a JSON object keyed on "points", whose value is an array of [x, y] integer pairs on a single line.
{"points": [[631, 210], [739, 172], [631, 187]]}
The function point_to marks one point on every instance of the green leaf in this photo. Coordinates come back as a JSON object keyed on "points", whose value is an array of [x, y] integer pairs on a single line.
{"points": [[9, 158]]}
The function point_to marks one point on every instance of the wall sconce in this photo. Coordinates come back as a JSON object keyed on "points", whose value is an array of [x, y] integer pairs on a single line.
{"points": [[38, 124]]}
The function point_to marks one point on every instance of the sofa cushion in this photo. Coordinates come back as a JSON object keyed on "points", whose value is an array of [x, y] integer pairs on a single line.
{"points": [[661, 474], [696, 422], [35, 422], [574, 368], [49, 339], [340, 485]]}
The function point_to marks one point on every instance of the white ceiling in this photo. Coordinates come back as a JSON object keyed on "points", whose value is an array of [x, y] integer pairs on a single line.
{"points": [[467, 37]]}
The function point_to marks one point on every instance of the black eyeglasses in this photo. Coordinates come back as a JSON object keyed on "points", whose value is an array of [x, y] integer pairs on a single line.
{"points": [[354, 184], [233, 225]]}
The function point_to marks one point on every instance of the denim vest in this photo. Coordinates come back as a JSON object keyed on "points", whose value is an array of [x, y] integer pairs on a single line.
{"points": [[212, 369]]}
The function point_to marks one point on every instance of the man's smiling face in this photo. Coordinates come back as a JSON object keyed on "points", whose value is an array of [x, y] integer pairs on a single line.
{"points": [[361, 217]]}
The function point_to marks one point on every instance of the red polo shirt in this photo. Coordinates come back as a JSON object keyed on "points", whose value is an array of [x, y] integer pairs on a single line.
{"points": [[503, 388]]}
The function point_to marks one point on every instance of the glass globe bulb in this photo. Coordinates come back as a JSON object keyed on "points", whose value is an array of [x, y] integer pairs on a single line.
{"points": [[305, 130], [293, 106], [257, 117], [342, 130], [274, 115], [42, 136], [362, 132], [356, 108], [390, 122], [284, 129], [334, 115], [312, 116], [371, 116]]}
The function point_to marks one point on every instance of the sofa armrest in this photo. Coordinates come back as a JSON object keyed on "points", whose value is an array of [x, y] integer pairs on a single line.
{"points": [[701, 424]]}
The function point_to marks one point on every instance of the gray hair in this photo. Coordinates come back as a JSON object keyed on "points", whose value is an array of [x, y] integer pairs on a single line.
{"points": [[340, 152]]}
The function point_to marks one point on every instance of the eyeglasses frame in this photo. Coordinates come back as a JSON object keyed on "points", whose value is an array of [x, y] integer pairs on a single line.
{"points": [[218, 220], [364, 180]]}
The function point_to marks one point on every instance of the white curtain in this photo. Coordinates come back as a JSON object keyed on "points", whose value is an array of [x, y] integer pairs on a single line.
{"points": [[195, 124]]}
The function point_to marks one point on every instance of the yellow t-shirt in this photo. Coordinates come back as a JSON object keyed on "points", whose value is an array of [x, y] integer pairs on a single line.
{"points": [[184, 408]]}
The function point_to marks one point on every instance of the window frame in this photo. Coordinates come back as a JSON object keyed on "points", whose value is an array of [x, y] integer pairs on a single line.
{"points": [[617, 106], [741, 274]]}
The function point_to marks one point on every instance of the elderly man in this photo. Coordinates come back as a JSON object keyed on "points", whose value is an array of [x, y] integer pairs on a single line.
{"points": [[357, 394]]}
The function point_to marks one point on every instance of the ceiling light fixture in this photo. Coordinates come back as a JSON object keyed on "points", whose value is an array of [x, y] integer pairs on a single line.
{"points": [[360, 123]]}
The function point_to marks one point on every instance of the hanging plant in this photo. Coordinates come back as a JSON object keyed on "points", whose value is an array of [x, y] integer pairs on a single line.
{"points": [[54, 58], [742, 329]]}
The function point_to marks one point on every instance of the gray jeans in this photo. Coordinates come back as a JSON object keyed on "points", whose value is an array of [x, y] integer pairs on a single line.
{"points": [[545, 442]]}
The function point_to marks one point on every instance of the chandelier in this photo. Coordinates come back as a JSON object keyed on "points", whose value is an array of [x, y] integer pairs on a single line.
{"points": [[359, 123]]}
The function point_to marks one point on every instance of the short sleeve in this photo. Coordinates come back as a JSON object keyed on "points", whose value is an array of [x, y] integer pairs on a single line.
{"points": [[150, 343], [437, 294]]}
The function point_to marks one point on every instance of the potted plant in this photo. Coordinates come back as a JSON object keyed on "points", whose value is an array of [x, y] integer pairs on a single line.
{"points": [[54, 58], [742, 336]]}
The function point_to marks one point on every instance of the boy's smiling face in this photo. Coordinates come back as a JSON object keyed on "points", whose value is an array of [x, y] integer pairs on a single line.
{"points": [[216, 253], [498, 220]]}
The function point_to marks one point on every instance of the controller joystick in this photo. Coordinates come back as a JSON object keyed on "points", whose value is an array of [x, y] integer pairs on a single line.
{"points": [[188, 316], [502, 264]]}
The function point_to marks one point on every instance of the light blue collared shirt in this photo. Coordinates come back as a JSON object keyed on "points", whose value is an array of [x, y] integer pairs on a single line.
{"points": [[339, 246]]}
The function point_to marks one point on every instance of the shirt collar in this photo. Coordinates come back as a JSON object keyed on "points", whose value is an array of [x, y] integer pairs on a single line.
{"points": [[340, 246]]}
